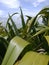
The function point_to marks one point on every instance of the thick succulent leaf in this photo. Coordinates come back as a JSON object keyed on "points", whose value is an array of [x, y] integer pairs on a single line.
{"points": [[41, 31], [24, 32], [29, 17], [47, 38], [45, 15], [22, 19], [14, 26], [3, 48], [43, 11], [15, 48], [10, 31], [29, 24], [47, 41], [33, 58]]}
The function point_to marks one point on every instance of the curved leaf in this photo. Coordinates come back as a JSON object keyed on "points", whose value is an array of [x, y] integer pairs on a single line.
{"points": [[47, 38], [43, 11], [33, 58], [3, 48], [14, 26], [15, 48], [41, 31]]}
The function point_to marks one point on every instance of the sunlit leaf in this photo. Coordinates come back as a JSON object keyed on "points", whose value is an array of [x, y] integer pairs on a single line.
{"points": [[33, 58], [41, 31], [15, 48]]}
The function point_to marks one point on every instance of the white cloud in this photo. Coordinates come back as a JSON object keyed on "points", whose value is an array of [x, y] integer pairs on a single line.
{"points": [[27, 0], [37, 2], [40, 1], [1, 12], [11, 3]]}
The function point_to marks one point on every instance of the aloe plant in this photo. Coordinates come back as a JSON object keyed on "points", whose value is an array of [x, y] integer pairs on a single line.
{"points": [[28, 30], [33, 58], [43, 12], [3, 48], [32, 32]]}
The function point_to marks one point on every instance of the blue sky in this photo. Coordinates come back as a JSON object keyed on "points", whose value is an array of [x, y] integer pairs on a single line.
{"points": [[29, 7]]}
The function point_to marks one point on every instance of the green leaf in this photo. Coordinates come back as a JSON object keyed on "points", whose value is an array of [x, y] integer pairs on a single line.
{"points": [[13, 14], [14, 26], [29, 24], [33, 58], [44, 12], [3, 48], [11, 31], [41, 31], [47, 39], [29, 17], [15, 48], [22, 19]]}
